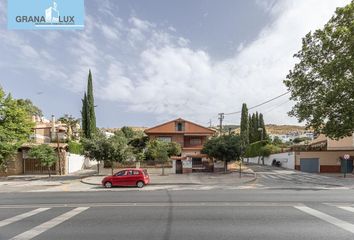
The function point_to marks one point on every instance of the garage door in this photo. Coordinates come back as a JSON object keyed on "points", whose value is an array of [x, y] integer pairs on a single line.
{"points": [[310, 165]]}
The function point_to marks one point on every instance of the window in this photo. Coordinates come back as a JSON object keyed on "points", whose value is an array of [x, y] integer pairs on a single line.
{"points": [[136, 172], [164, 138], [179, 126], [195, 141], [121, 173]]}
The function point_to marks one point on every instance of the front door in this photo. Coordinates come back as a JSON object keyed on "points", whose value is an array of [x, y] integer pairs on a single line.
{"points": [[179, 167], [119, 178]]}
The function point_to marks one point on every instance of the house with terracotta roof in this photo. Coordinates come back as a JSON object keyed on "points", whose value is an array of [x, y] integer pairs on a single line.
{"points": [[324, 154], [191, 137]]}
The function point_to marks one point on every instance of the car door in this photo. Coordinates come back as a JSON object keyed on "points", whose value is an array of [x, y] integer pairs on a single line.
{"points": [[119, 178], [130, 180]]}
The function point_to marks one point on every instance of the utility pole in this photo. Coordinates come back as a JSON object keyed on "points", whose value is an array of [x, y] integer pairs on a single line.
{"points": [[210, 122], [221, 118]]}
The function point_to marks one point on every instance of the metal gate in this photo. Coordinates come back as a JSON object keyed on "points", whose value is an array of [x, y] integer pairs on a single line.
{"points": [[349, 167], [179, 169], [311, 165], [33, 166]]}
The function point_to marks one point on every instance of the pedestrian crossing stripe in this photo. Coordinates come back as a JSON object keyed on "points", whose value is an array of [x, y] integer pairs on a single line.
{"points": [[22, 216], [49, 224], [41, 228]]}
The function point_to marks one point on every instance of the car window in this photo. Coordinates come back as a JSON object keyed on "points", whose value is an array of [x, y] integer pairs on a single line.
{"points": [[136, 172], [121, 173], [130, 172]]}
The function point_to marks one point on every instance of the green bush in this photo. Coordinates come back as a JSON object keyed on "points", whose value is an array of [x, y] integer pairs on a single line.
{"points": [[75, 148]]}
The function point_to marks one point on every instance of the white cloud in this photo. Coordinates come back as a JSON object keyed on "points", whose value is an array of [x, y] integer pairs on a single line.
{"points": [[152, 69], [178, 81]]}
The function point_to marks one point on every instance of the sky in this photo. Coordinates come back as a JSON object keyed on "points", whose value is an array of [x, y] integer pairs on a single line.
{"points": [[157, 60]]}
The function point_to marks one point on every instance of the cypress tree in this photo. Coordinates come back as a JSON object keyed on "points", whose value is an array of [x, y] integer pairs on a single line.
{"points": [[91, 123], [250, 128], [244, 126], [84, 115], [262, 125], [256, 127]]}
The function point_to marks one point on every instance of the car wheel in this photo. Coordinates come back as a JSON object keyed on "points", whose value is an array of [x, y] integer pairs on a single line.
{"points": [[108, 184], [140, 184]]}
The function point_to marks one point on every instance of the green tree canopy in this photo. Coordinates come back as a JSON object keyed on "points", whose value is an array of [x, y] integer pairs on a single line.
{"points": [[45, 154], [225, 148], [108, 150], [322, 81], [161, 151], [15, 127], [30, 107]]}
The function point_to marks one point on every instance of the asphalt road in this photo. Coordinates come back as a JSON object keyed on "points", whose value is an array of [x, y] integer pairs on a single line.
{"points": [[163, 214]]}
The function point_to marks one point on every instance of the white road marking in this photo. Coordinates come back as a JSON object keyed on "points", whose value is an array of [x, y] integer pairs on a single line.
{"points": [[325, 217], [283, 177], [21, 216], [350, 209], [272, 176], [265, 176], [48, 225]]}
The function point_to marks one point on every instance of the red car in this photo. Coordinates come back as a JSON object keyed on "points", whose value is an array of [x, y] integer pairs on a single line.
{"points": [[127, 177]]}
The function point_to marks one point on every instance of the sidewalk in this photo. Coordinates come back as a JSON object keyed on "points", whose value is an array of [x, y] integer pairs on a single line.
{"points": [[337, 175], [232, 178], [45, 177]]}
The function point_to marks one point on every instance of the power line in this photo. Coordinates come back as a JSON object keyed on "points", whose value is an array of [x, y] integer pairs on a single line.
{"points": [[265, 102], [275, 107]]}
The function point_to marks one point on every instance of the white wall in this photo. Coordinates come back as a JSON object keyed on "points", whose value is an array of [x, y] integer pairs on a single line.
{"points": [[75, 162], [287, 159]]}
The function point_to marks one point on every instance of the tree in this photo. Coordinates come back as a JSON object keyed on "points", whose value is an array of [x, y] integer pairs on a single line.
{"points": [[84, 117], [15, 127], [277, 141], [45, 154], [88, 110], [244, 126], [250, 129], [161, 151], [108, 150], [173, 149], [128, 132], [71, 124], [91, 105], [262, 126], [30, 107], [254, 137], [225, 148], [322, 81]]}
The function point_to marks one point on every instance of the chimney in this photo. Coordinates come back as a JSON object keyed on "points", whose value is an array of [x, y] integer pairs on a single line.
{"points": [[53, 124]]}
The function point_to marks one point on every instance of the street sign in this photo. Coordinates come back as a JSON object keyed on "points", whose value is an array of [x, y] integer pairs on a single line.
{"points": [[346, 156]]}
